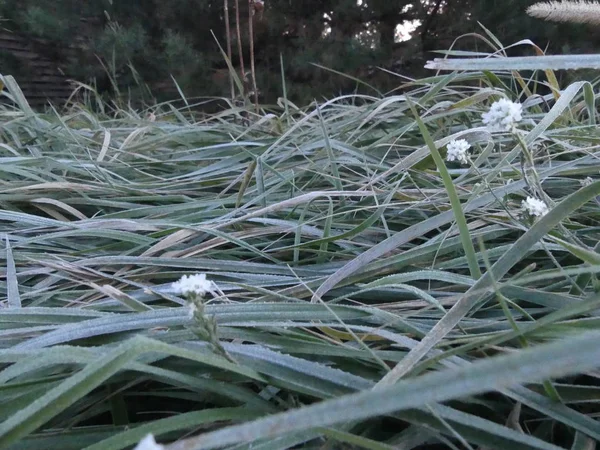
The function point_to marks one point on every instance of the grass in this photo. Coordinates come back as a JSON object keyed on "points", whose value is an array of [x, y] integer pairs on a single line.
{"points": [[368, 293]]}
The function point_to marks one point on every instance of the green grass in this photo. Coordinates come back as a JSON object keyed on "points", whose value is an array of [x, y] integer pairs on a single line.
{"points": [[369, 294]]}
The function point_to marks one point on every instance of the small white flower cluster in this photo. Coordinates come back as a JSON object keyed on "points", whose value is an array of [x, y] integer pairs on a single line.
{"points": [[457, 151], [193, 284], [503, 115], [148, 443], [535, 207], [586, 181]]}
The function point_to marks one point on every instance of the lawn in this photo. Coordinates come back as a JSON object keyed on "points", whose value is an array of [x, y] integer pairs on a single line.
{"points": [[414, 270]]}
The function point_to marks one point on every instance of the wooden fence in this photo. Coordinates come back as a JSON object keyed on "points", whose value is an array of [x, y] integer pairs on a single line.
{"points": [[39, 75]]}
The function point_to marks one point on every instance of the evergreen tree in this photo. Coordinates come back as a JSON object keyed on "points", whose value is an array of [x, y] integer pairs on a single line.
{"points": [[138, 43]]}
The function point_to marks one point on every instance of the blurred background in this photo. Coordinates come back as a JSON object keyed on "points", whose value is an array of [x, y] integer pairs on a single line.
{"points": [[135, 49]]}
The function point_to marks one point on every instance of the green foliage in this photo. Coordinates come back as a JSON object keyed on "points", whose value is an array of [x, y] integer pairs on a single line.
{"points": [[122, 46], [40, 23], [181, 60], [159, 40], [367, 292]]}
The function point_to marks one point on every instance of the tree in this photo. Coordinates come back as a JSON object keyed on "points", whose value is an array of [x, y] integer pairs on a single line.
{"points": [[138, 43]]}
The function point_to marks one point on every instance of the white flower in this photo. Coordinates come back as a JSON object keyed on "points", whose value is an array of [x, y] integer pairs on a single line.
{"points": [[193, 284], [535, 207], [148, 443], [587, 181], [457, 151], [503, 115]]}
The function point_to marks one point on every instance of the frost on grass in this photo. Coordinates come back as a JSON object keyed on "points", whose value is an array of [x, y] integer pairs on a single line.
{"points": [[457, 151], [193, 285], [535, 207], [566, 11], [503, 115], [148, 443]]}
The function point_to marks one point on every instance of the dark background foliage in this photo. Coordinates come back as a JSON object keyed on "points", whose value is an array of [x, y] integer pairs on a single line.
{"points": [[142, 44]]}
